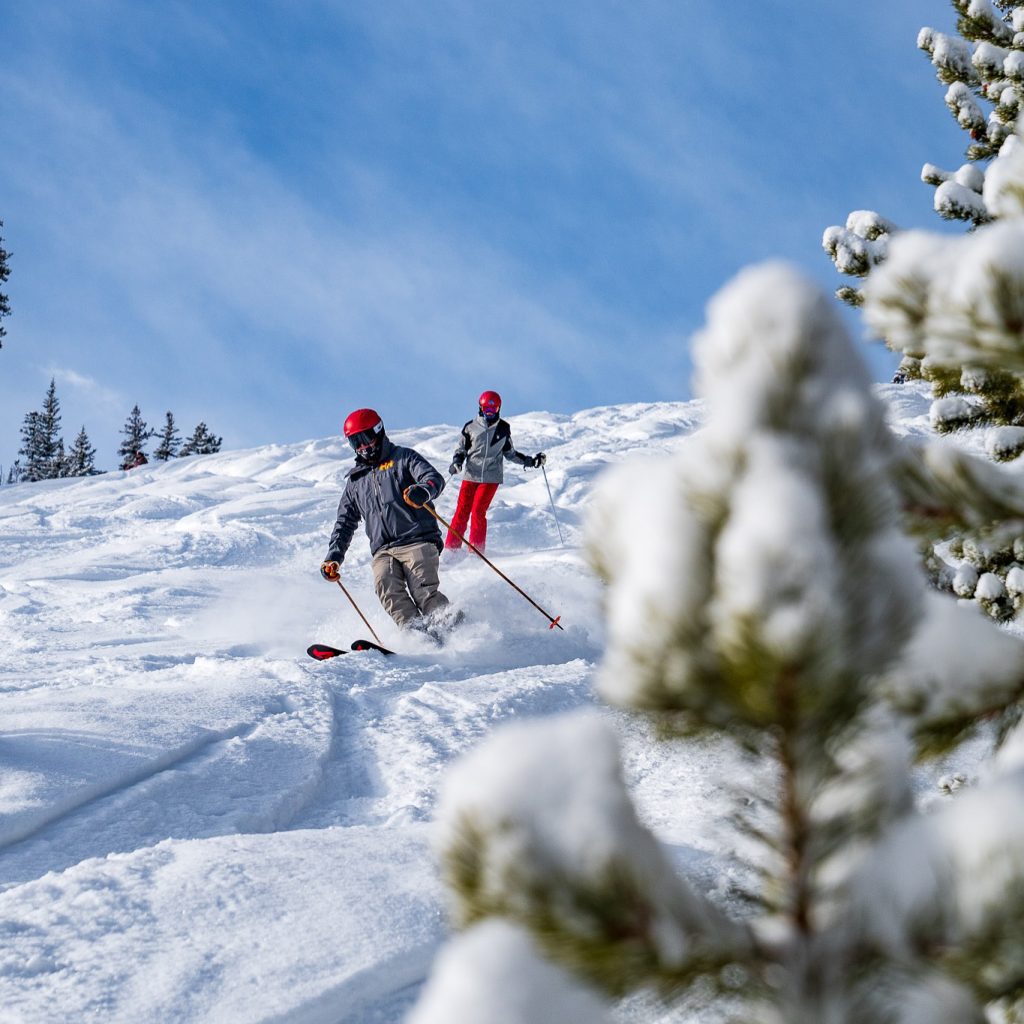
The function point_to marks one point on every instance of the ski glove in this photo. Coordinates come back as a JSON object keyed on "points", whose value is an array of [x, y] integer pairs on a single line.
{"points": [[538, 460], [416, 495], [455, 467], [329, 571]]}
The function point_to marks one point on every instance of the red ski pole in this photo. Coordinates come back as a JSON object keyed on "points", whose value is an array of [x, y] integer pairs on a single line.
{"points": [[472, 547]]}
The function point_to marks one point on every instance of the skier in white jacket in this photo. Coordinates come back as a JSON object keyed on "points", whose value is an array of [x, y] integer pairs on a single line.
{"points": [[485, 442]]}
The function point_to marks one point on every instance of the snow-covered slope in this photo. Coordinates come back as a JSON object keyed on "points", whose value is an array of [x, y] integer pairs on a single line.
{"points": [[199, 823]]}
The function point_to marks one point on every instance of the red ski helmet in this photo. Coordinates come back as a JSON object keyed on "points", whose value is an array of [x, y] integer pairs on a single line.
{"points": [[490, 403], [362, 419], [365, 432]]}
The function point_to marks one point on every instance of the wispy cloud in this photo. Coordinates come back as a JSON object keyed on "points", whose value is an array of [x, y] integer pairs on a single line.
{"points": [[76, 381], [262, 215]]}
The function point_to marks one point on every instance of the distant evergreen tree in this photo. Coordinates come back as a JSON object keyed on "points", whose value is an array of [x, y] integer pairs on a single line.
{"points": [[136, 433], [51, 442], [5, 273], [14, 474], [42, 444], [202, 442], [61, 465], [169, 440], [33, 448], [82, 457]]}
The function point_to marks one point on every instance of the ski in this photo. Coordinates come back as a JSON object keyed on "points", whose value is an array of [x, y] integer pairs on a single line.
{"points": [[322, 651], [369, 645]]}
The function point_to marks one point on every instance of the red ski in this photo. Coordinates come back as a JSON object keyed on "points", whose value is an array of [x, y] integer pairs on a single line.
{"points": [[369, 645], [322, 652]]}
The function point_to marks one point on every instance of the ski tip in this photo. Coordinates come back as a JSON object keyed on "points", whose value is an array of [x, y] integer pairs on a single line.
{"points": [[321, 652], [367, 645]]}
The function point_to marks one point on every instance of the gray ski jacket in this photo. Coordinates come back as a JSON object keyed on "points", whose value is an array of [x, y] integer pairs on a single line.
{"points": [[482, 448], [374, 495]]}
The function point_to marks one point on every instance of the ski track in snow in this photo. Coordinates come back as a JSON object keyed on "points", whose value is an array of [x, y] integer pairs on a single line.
{"points": [[198, 823]]}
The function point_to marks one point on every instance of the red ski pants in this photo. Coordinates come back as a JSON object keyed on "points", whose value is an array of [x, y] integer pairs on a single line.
{"points": [[474, 500]]}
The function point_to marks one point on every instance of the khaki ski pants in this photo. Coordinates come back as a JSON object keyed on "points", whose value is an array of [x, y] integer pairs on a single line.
{"points": [[406, 581]]}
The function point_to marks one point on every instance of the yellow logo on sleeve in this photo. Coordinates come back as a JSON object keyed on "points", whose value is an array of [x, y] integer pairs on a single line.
{"points": [[390, 464]]}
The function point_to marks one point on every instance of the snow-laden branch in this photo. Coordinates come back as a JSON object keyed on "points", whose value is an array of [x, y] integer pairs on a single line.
{"points": [[948, 888], [965, 108], [943, 483], [861, 244], [979, 20], [956, 670], [957, 300], [493, 973], [950, 56], [1004, 181], [536, 825]]}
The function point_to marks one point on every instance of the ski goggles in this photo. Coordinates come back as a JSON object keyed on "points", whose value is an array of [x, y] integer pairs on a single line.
{"points": [[365, 440]]}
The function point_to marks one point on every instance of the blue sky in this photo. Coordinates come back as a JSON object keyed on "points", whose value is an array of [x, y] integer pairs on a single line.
{"points": [[263, 215]]}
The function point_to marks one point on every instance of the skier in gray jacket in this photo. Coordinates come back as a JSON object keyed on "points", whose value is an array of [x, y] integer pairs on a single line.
{"points": [[387, 489], [485, 443]]}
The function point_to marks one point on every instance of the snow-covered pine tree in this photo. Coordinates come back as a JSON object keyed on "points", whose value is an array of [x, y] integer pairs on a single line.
{"points": [[168, 440], [759, 589], [136, 433], [202, 442], [973, 384], [960, 302], [15, 473], [983, 71], [5, 273], [82, 457]]}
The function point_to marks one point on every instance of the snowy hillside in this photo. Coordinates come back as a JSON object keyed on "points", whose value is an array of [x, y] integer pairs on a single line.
{"points": [[199, 823]]}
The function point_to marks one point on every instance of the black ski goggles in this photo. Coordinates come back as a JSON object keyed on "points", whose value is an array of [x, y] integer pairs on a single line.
{"points": [[365, 440]]}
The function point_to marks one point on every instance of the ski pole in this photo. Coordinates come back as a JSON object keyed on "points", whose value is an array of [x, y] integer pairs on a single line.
{"points": [[472, 547], [361, 615], [552, 500]]}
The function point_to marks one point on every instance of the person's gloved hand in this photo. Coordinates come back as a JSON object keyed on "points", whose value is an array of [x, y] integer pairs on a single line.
{"points": [[329, 571], [455, 467], [538, 460], [416, 495]]}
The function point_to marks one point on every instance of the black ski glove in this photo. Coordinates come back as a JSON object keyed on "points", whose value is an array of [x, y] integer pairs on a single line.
{"points": [[538, 460], [455, 467], [417, 495]]}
